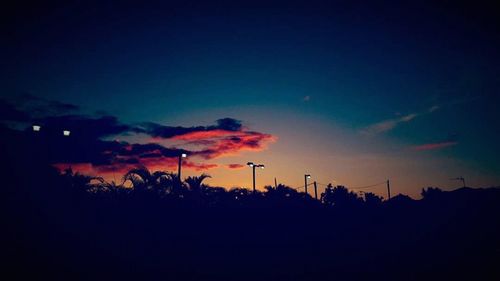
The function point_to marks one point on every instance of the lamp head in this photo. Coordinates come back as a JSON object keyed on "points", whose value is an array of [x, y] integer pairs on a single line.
{"points": [[36, 128], [183, 155], [66, 133], [308, 176], [250, 164]]}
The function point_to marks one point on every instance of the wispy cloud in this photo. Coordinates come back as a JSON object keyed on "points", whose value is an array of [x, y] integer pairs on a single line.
{"points": [[434, 146], [235, 166], [389, 124], [434, 108]]}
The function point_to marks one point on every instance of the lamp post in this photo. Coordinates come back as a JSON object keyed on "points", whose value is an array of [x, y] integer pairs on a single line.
{"points": [[181, 155], [306, 176], [253, 166]]}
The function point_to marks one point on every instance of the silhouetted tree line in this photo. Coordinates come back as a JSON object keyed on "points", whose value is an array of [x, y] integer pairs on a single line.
{"points": [[166, 185]]}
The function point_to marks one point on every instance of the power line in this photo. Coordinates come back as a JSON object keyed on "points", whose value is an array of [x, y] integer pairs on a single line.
{"points": [[368, 186], [302, 186], [359, 187]]}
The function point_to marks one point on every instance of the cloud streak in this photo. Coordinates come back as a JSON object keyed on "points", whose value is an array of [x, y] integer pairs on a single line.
{"points": [[387, 125], [235, 166], [390, 124], [166, 132], [434, 146]]}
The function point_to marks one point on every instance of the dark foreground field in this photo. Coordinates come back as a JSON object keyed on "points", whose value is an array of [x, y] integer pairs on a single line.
{"points": [[70, 235]]}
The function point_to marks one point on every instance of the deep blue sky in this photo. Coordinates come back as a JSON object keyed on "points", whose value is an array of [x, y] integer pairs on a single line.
{"points": [[386, 77]]}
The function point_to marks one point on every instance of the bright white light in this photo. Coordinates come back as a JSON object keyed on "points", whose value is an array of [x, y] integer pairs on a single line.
{"points": [[262, 166], [250, 164], [66, 133], [308, 176], [183, 155], [36, 128]]}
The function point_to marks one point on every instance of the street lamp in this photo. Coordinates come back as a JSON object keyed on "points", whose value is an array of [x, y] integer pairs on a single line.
{"points": [[36, 128], [253, 166], [181, 155], [306, 176], [66, 133]]}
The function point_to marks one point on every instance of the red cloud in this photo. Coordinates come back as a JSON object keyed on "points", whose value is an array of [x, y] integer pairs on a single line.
{"points": [[153, 164], [227, 137], [199, 166], [432, 146], [235, 166], [203, 135], [241, 141]]}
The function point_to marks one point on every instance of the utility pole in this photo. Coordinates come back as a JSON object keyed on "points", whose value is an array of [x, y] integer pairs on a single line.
{"points": [[253, 168], [460, 179], [388, 190], [315, 191]]}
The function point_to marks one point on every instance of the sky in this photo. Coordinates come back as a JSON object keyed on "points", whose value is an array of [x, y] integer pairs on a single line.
{"points": [[349, 92]]}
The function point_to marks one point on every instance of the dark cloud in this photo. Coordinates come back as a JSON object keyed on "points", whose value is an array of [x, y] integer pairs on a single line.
{"points": [[8, 112], [228, 124], [89, 148], [148, 150], [235, 166], [27, 108], [230, 145], [39, 106], [83, 126], [166, 132], [62, 107]]}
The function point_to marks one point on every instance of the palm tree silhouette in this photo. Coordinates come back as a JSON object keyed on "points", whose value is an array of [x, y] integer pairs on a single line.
{"points": [[83, 182], [142, 179], [195, 183], [112, 188]]}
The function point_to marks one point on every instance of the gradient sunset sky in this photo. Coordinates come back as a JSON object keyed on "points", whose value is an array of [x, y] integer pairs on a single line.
{"points": [[350, 93]]}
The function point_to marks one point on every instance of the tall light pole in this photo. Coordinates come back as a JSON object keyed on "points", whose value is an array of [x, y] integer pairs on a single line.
{"points": [[181, 155], [253, 166], [307, 176]]}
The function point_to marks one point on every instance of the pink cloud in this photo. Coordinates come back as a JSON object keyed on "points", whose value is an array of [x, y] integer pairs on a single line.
{"points": [[235, 166], [241, 141], [154, 164], [432, 146], [228, 137], [203, 135]]}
